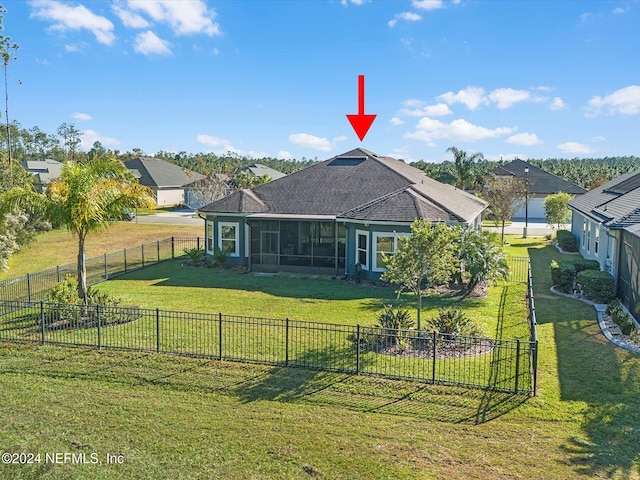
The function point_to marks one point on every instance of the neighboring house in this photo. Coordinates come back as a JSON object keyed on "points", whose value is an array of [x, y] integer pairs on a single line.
{"points": [[44, 171], [260, 170], [338, 216], [206, 189], [166, 179], [541, 184], [606, 222]]}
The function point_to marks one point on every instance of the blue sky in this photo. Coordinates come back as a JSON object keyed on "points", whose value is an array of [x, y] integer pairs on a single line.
{"points": [[533, 79]]}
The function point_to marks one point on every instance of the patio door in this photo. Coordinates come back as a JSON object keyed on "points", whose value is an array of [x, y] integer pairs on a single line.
{"points": [[269, 247]]}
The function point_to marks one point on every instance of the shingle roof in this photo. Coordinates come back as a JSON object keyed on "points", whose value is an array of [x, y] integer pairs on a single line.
{"points": [[359, 185], [155, 172], [615, 204], [45, 170], [540, 181], [259, 170]]}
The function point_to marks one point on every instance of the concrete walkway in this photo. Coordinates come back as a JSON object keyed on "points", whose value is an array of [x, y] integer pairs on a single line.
{"points": [[534, 228]]}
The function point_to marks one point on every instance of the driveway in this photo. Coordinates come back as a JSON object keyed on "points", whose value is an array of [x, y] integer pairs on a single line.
{"points": [[184, 217]]}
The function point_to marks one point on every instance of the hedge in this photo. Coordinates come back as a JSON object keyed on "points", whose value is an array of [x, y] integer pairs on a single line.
{"points": [[563, 274], [597, 285], [567, 241]]}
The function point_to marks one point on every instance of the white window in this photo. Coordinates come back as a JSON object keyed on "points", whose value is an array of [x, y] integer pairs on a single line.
{"points": [[362, 249], [209, 233], [589, 228], [384, 243], [584, 232], [229, 238], [597, 239]]}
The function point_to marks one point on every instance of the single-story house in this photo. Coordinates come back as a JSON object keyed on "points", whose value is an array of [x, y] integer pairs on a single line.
{"points": [[166, 179], [43, 170], [260, 170], [337, 217], [541, 184], [606, 222]]}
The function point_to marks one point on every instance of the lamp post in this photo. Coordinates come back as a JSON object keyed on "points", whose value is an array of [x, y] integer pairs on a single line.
{"points": [[526, 201]]}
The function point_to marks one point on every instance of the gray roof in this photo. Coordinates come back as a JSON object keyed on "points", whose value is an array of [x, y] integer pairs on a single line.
{"points": [[357, 185], [154, 172], [540, 181], [615, 204], [259, 170], [44, 170]]}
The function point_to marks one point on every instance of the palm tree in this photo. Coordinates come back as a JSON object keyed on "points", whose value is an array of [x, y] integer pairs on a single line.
{"points": [[86, 198], [464, 166]]}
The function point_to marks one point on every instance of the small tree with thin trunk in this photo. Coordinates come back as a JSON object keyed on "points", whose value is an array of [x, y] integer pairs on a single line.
{"points": [[556, 209], [506, 196], [86, 198], [422, 260]]}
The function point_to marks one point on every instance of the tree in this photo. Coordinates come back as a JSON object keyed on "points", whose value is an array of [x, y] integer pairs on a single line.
{"points": [[70, 137], [247, 179], [7, 51], [422, 260], [464, 166], [85, 199], [480, 256], [556, 209], [506, 196]]}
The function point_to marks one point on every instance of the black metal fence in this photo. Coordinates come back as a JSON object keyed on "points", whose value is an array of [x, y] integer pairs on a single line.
{"points": [[36, 286], [499, 364]]}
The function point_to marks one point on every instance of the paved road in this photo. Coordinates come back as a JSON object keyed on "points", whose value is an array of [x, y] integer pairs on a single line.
{"points": [[534, 228], [179, 216]]}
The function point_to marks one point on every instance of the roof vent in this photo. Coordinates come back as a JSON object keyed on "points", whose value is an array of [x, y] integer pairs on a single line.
{"points": [[346, 161]]}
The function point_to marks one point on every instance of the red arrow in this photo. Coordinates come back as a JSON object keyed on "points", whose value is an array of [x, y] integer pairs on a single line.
{"points": [[361, 122]]}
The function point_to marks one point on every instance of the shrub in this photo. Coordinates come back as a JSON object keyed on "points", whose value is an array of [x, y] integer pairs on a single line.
{"points": [[620, 317], [194, 254], [597, 285], [219, 256], [563, 275], [567, 241], [451, 322], [400, 319]]}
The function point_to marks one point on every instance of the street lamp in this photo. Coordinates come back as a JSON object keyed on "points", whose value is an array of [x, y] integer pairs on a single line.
{"points": [[526, 200]]}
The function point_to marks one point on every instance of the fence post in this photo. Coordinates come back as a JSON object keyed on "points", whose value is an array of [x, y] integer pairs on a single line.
{"points": [[58, 273], [535, 369], [106, 270], [28, 287], [435, 352], [198, 243], [42, 322], [158, 244], [142, 248], [158, 330], [173, 248], [125, 260], [220, 336], [99, 333], [358, 350], [517, 364], [286, 343]]}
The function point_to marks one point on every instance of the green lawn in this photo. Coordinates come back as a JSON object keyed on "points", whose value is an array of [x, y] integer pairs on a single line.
{"points": [[174, 417]]}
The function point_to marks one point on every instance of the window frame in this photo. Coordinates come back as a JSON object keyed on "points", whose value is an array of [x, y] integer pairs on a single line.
{"points": [[236, 239], [376, 235], [366, 248], [209, 236]]}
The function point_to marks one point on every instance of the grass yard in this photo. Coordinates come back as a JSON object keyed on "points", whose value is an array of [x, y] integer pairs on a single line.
{"points": [[173, 417], [58, 247]]}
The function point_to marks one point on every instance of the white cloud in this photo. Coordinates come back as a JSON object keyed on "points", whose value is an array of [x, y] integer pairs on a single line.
{"points": [[311, 141], [419, 110], [406, 16], [428, 4], [82, 116], [66, 17], [506, 97], [472, 97], [211, 141], [557, 104], [185, 17], [130, 19], [148, 43], [429, 130], [625, 101], [619, 10], [575, 147], [355, 2], [89, 137], [524, 139], [599, 138], [285, 155], [396, 121]]}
